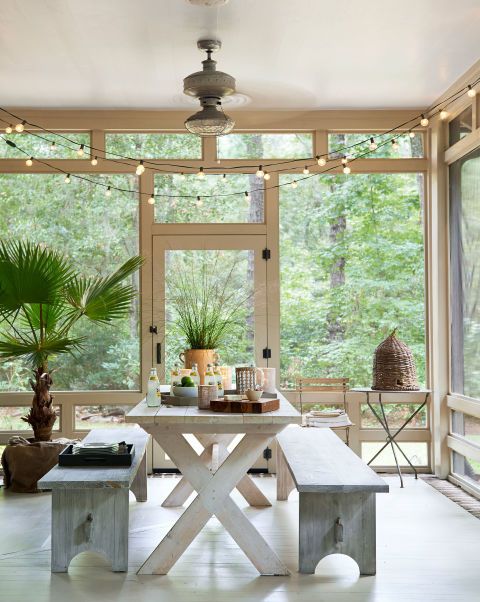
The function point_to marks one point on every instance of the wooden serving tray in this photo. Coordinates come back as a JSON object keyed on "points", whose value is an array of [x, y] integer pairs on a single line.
{"points": [[245, 406]]}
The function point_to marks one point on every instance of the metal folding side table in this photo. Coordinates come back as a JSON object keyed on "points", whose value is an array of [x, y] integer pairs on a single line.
{"points": [[382, 419]]}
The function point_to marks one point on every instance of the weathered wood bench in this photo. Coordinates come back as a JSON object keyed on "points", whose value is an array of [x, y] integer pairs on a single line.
{"points": [[90, 505], [337, 497]]}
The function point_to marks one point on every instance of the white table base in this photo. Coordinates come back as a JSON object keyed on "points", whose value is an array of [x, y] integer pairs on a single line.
{"points": [[213, 486]]}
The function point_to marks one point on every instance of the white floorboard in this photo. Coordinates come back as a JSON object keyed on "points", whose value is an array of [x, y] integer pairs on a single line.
{"points": [[428, 549]]}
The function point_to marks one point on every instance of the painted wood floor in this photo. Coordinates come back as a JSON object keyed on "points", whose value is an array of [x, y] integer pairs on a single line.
{"points": [[428, 549]]}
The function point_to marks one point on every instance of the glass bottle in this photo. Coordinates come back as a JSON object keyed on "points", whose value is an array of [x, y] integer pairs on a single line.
{"points": [[194, 375], [210, 376], [175, 377], [218, 380], [153, 389]]}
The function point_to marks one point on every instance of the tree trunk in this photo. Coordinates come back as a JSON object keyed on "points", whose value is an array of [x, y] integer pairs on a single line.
{"points": [[41, 416]]}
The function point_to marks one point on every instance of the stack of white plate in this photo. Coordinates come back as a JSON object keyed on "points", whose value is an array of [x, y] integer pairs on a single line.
{"points": [[93, 449]]}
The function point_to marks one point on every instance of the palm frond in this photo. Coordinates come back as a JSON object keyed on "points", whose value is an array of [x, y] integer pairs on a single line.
{"points": [[35, 352], [103, 299], [30, 273]]}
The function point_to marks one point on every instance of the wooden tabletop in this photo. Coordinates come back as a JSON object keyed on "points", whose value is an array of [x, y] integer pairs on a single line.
{"points": [[188, 416]]}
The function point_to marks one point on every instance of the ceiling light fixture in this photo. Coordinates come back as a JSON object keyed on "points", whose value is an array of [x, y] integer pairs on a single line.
{"points": [[209, 86]]}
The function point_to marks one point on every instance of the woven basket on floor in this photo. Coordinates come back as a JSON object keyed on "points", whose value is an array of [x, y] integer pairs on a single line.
{"points": [[394, 366]]}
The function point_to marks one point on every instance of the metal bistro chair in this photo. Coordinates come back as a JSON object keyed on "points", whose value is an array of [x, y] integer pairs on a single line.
{"points": [[310, 385]]}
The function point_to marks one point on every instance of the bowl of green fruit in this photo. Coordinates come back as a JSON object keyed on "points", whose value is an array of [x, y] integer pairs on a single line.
{"points": [[186, 388]]}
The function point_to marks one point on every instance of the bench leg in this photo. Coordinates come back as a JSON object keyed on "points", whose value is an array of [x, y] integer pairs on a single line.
{"points": [[285, 483], [139, 483], [321, 533], [94, 520]]}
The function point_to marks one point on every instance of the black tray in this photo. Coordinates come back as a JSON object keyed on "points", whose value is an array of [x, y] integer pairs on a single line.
{"points": [[66, 458]]}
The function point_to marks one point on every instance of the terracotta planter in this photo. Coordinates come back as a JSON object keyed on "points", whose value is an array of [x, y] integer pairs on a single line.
{"points": [[201, 357]]}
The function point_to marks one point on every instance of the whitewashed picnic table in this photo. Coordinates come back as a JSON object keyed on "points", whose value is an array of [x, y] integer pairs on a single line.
{"points": [[213, 475]]}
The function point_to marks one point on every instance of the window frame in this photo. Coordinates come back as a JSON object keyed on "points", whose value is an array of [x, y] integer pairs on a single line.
{"points": [[319, 123]]}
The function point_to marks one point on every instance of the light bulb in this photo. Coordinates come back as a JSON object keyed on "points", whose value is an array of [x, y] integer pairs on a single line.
{"points": [[321, 161], [151, 200], [373, 144], [395, 145], [266, 176], [411, 134], [424, 121], [344, 160], [306, 171], [471, 92], [29, 162], [81, 151], [200, 173], [53, 146], [224, 179], [199, 202], [94, 161], [293, 184], [443, 115], [20, 126], [8, 129], [181, 176], [346, 169], [108, 192], [260, 173], [140, 169], [67, 179], [247, 196]]}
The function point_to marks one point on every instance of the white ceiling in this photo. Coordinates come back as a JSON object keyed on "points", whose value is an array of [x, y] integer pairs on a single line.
{"points": [[306, 54]]}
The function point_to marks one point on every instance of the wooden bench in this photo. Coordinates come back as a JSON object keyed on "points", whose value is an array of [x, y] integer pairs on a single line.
{"points": [[90, 505], [337, 497]]}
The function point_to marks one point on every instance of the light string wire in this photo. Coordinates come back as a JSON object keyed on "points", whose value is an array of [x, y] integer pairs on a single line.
{"points": [[430, 112], [445, 101]]}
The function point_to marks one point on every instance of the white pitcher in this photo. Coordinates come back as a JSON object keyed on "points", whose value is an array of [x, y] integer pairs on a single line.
{"points": [[269, 380]]}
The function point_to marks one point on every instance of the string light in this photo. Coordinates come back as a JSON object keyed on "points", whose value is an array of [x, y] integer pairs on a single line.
{"points": [[81, 150], [181, 176], [247, 196], [29, 162], [200, 173], [293, 184], [395, 144], [260, 173], [199, 202], [140, 169], [108, 192], [373, 145], [94, 161], [224, 179], [53, 146], [471, 93], [151, 200], [424, 122]]}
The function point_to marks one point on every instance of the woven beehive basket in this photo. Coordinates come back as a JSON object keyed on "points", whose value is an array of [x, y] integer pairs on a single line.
{"points": [[394, 366]]}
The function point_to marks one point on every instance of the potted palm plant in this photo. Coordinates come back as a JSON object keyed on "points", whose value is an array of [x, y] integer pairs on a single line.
{"points": [[42, 296]]}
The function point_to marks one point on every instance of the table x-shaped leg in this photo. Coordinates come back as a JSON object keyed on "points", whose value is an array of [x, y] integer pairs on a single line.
{"points": [[215, 451], [213, 499]]}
